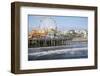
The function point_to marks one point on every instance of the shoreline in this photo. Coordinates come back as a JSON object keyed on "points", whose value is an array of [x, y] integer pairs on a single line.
{"points": [[63, 45], [39, 49], [80, 39]]}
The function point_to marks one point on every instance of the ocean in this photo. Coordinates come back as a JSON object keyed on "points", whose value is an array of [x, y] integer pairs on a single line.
{"points": [[74, 50]]}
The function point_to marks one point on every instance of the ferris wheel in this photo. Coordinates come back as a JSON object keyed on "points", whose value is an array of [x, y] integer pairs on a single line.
{"points": [[48, 23]]}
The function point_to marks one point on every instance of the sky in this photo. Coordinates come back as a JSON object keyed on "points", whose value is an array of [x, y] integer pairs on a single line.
{"points": [[62, 22]]}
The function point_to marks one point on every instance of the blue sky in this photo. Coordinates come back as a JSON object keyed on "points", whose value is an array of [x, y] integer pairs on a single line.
{"points": [[62, 22]]}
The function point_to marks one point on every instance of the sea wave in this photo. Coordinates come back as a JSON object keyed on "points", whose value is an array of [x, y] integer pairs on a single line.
{"points": [[71, 50]]}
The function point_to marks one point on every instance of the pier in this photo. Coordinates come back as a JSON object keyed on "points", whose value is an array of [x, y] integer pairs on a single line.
{"points": [[47, 42]]}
